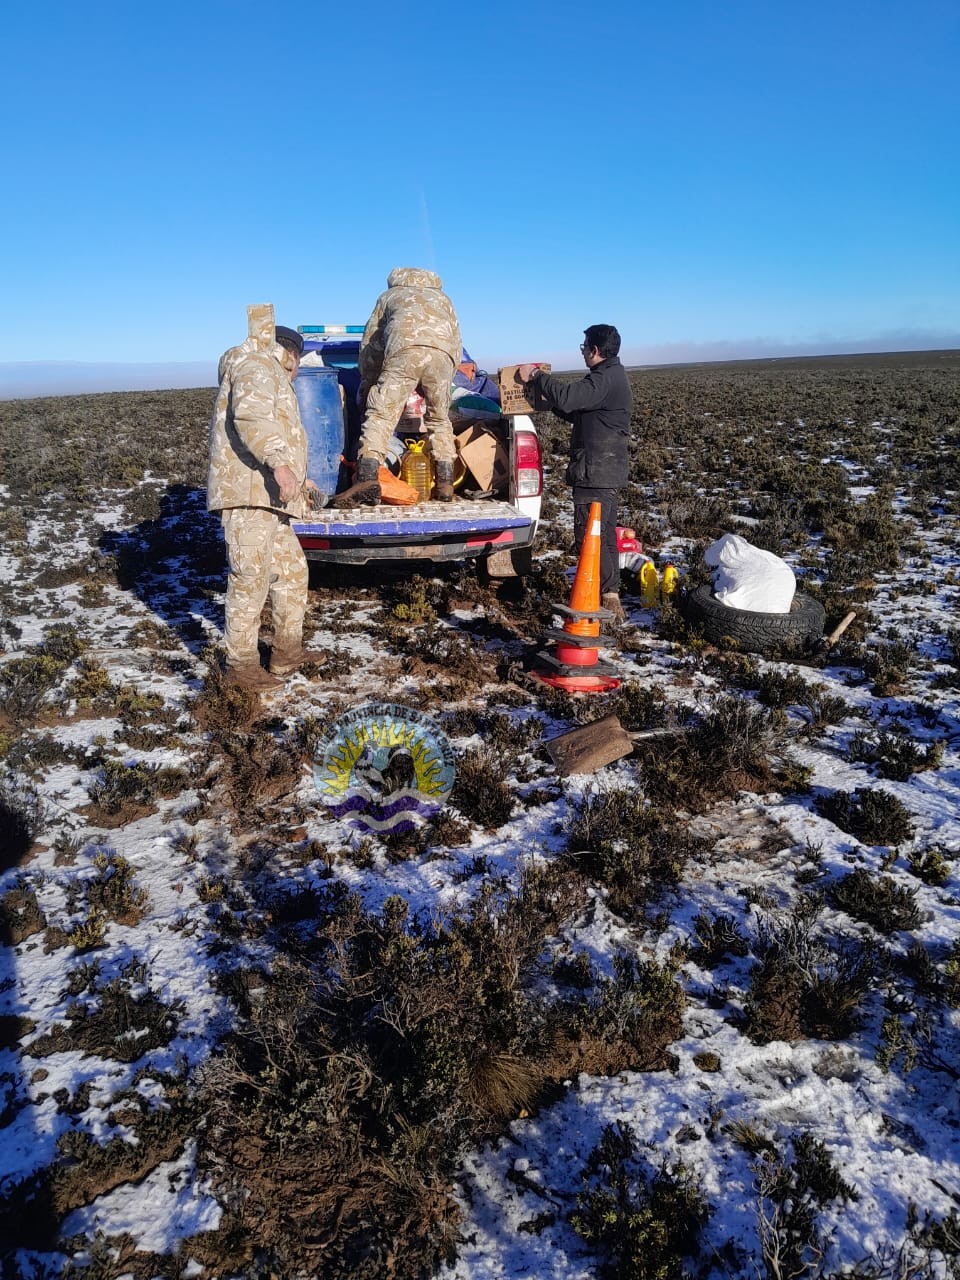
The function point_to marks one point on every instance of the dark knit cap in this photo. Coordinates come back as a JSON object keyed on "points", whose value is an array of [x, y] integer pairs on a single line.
{"points": [[289, 338]]}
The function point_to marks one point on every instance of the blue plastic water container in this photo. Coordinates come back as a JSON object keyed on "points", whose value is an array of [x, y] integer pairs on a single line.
{"points": [[321, 411]]}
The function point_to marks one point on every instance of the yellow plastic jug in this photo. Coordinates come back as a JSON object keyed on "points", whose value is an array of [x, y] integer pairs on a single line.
{"points": [[668, 582], [416, 468], [649, 584]]}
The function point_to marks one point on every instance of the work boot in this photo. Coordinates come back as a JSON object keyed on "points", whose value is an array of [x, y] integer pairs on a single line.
{"points": [[365, 490], [611, 600], [284, 661], [443, 481], [366, 494], [251, 676]]}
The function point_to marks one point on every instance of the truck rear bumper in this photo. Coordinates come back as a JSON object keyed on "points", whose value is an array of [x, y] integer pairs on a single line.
{"points": [[454, 531]]}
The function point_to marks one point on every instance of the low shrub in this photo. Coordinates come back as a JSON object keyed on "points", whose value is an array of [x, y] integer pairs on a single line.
{"points": [[875, 817], [20, 913], [824, 707], [736, 746], [642, 1223], [951, 969], [112, 893], [121, 1019], [894, 755], [121, 787], [715, 938], [626, 1024], [640, 706], [782, 689], [888, 667], [23, 817], [257, 768], [615, 837], [574, 971], [25, 685], [877, 900], [931, 865], [481, 791], [791, 1193], [801, 986]]}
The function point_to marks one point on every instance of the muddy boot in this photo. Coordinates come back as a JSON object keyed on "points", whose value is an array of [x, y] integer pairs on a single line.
{"points": [[284, 661], [611, 600], [251, 676], [443, 481], [365, 490]]}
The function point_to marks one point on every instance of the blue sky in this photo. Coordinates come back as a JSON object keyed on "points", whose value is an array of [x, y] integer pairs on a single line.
{"points": [[714, 178]]}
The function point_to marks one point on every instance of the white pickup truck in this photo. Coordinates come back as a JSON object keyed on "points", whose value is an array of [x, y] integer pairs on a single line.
{"points": [[499, 529]]}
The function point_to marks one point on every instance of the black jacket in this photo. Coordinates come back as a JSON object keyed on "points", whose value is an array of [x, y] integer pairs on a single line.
{"points": [[599, 406]]}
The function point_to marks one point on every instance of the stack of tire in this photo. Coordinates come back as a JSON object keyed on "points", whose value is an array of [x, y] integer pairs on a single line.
{"points": [[795, 632]]}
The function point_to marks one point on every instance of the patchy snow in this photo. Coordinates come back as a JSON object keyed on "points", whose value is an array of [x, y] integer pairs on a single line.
{"points": [[893, 1135], [170, 1204]]}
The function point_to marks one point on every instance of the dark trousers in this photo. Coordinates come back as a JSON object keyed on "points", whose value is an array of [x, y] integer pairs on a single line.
{"points": [[609, 556]]}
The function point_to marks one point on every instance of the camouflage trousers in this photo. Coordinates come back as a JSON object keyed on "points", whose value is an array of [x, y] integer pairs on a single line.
{"points": [[424, 367], [264, 559]]}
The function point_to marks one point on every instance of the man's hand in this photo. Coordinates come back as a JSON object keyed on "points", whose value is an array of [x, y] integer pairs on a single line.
{"points": [[526, 371], [311, 494], [287, 483]]}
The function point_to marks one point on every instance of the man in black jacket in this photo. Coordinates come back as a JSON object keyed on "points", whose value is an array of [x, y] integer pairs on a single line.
{"points": [[599, 406]]}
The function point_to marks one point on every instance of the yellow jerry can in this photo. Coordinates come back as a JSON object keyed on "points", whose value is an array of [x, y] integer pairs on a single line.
{"points": [[649, 581]]}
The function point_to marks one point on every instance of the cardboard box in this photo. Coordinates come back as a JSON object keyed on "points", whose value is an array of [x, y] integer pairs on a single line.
{"points": [[485, 456], [514, 394]]}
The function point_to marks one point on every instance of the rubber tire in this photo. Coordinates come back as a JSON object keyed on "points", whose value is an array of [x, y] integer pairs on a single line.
{"points": [[763, 633]]}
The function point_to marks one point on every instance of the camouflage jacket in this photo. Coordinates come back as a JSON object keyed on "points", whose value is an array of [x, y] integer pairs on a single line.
{"points": [[255, 428], [413, 312]]}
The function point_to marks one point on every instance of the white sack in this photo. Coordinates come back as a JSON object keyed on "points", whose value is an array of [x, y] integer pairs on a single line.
{"points": [[747, 578]]}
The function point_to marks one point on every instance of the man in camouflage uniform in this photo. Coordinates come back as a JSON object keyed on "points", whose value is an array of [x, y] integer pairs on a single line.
{"points": [[257, 481], [412, 339]]}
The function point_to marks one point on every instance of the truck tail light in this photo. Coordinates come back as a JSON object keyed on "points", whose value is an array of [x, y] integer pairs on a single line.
{"points": [[529, 465]]}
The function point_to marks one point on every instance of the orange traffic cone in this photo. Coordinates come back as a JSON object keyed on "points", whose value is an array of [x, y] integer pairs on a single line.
{"points": [[575, 663], [584, 607]]}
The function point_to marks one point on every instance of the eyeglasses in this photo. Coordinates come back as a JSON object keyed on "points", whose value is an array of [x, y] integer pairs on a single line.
{"points": [[584, 346]]}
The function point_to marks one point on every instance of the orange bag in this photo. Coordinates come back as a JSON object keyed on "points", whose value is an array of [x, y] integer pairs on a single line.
{"points": [[394, 491]]}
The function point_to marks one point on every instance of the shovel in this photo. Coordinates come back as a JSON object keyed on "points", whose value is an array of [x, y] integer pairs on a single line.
{"points": [[829, 641], [818, 654], [594, 745]]}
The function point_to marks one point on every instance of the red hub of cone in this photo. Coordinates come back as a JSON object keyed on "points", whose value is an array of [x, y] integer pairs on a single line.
{"points": [[579, 684], [571, 656]]}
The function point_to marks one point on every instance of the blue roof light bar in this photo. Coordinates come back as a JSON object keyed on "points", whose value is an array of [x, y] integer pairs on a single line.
{"points": [[330, 328]]}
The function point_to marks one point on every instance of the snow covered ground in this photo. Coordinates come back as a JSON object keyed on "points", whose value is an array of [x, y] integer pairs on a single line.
{"points": [[891, 1128]]}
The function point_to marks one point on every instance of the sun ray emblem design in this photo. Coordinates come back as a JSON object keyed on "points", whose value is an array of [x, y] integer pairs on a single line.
{"points": [[384, 767]]}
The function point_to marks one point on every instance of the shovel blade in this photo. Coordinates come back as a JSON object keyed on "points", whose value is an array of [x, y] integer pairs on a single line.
{"points": [[589, 748]]}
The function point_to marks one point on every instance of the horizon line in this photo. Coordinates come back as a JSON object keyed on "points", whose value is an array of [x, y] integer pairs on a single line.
{"points": [[173, 372]]}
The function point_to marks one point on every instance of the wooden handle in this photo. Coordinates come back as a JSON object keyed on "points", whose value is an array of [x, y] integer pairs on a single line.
{"points": [[838, 630], [642, 734]]}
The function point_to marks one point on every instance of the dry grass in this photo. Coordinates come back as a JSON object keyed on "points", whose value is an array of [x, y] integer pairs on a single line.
{"points": [[375, 1047]]}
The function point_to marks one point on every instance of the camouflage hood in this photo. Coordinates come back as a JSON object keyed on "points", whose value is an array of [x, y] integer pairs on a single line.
{"points": [[413, 277], [260, 337], [256, 424], [414, 312]]}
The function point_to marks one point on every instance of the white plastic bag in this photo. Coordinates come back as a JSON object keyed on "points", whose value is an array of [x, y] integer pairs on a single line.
{"points": [[747, 578]]}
